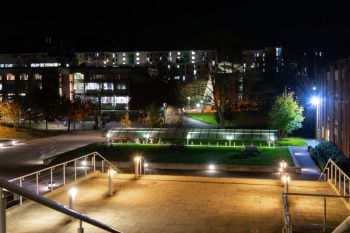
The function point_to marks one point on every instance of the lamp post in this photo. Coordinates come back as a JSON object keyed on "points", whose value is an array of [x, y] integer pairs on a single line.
{"points": [[286, 180], [316, 101]]}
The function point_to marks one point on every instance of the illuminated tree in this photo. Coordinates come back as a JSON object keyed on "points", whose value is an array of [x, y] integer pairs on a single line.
{"points": [[125, 122], [153, 116], [286, 115], [10, 113]]}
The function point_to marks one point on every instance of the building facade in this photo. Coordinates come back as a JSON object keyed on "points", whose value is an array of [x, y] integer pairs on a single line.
{"points": [[333, 111], [110, 78]]}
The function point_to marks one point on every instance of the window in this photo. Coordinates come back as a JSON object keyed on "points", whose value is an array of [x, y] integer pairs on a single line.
{"points": [[78, 76], [121, 86], [38, 77], [23, 77], [10, 77], [0, 86], [107, 86], [92, 86]]}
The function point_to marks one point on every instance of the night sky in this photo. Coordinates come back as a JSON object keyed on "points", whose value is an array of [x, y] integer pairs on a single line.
{"points": [[157, 25]]}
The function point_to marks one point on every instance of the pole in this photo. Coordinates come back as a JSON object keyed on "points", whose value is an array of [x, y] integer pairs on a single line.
{"points": [[80, 229], [324, 213], [2, 211], [110, 184]]}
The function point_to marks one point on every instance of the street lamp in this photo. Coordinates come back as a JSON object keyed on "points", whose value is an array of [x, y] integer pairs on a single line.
{"points": [[316, 101]]}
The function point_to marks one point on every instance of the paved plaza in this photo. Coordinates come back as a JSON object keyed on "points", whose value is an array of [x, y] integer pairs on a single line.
{"points": [[170, 204]]}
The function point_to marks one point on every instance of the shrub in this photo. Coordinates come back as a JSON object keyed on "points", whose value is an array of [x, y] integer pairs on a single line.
{"points": [[325, 151]]}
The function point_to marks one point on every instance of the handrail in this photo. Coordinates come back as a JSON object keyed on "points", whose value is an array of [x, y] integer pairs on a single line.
{"points": [[69, 161], [53, 205], [330, 161], [287, 217]]}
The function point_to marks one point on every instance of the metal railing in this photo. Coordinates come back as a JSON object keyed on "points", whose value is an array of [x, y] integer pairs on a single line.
{"points": [[48, 179], [10, 187], [336, 178], [289, 226]]}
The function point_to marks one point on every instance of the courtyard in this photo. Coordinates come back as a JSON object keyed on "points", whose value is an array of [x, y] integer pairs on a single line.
{"points": [[180, 204]]}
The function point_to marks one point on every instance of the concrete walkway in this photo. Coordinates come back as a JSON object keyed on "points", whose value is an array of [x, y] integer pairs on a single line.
{"points": [[192, 123], [174, 204], [303, 160]]}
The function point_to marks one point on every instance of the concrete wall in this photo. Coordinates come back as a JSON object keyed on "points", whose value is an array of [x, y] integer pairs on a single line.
{"points": [[203, 167]]}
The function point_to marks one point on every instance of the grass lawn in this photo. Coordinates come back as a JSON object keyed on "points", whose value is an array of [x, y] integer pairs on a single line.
{"points": [[292, 142], [209, 118], [193, 154]]}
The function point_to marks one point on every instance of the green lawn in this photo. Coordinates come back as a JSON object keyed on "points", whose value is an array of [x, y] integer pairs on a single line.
{"points": [[209, 118], [193, 154], [292, 142]]}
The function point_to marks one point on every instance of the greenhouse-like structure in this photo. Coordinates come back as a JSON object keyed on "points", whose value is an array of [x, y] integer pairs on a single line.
{"points": [[156, 135]]}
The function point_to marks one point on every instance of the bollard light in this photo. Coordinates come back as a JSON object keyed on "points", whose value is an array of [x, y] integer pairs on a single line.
{"points": [[211, 167], [286, 180], [137, 161], [110, 172], [72, 194]]}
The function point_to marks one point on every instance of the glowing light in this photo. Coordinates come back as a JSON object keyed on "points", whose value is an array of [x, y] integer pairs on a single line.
{"points": [[73, 192], [211, 167], [14, 142], [146, 165], [315, 100], [286, 179], [137, 159], [84, 163], [314, 88]]}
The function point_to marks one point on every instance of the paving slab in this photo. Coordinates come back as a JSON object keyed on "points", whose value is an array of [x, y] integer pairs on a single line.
{"points": [[178, 204]]}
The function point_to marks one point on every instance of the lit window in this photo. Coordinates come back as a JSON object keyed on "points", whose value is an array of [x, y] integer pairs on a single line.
{"points": [[137, 54], [113, 55], [97, 54], [124, 59], [169, 67], [121, 86], [138, 63], [177, 77], [123, 63], [124, 54], [92, 86], [193, 57], [10, 77], [22, 94], [193, 53], [0, 86], [38, 77], [78, 76], [137, 59], [194, 72], [108, 86], [178, 66], [23, 77], [178, 53]]}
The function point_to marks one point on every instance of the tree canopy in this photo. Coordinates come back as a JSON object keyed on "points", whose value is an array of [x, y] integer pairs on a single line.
{"points": [[286, 115]]}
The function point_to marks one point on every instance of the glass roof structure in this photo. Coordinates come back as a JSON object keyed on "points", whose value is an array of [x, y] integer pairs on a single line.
{"points": [[192, 134]]}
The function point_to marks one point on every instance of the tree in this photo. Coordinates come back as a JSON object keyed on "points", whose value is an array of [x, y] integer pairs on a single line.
{"points": [[286, 115], [153, 117], [10, 113], [172, 116], [125, 122]]}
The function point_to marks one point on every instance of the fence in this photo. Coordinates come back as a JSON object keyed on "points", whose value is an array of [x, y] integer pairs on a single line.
{"points": [[48, 179]]}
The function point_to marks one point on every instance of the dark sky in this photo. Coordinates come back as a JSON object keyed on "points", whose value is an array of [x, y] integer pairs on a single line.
{"points": [[147, 25]]}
